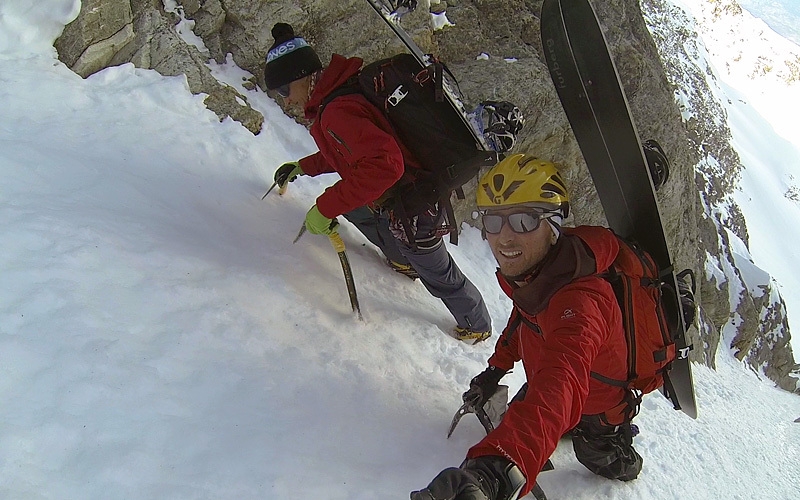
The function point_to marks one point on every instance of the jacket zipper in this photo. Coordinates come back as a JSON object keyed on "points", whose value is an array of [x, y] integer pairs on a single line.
{"points": [[340, 141]]}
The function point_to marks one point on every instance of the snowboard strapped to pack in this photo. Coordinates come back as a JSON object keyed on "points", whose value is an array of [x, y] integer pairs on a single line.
{"points": [[625, 171], [412, 97]]}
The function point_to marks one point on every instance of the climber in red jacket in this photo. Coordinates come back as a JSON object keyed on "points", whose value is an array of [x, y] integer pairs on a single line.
{"points": [[356, 141], [565, 325]]}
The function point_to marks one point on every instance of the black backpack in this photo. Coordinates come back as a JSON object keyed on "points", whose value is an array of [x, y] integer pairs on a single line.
{"points": [[412, 98]]}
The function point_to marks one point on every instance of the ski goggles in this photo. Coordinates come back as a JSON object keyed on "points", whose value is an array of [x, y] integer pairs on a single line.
{"points": [[283, 90], [520, 222]]}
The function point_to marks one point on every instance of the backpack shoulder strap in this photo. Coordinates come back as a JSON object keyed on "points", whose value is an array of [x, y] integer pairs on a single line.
{"points": [[351, 86]]}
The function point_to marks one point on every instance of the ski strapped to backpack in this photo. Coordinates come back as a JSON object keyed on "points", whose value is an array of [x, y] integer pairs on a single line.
{"points": [[412, 97]]}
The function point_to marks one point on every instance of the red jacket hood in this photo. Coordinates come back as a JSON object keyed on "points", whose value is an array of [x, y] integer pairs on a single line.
{"points": [[335, 75], [602, 242], [580, 251]]}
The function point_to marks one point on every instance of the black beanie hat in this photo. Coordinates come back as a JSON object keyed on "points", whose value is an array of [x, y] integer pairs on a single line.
{"points": [[290, 58]]}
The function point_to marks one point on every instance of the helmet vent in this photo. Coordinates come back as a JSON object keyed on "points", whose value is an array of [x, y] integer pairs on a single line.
{"points": [[498, 181], [550, 190], [526, 159]]}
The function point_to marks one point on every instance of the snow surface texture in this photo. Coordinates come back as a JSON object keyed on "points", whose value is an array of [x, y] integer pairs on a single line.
{"points": [[161, 337]]}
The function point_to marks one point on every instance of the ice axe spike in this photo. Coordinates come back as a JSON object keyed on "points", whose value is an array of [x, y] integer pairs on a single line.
{"points": [[300, 233], [465, 408], [270, 189], [281, 190], [468, 407]]}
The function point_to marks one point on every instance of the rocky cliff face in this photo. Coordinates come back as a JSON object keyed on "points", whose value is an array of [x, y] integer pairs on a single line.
{"points": [[113, 32], [494, 49], [753, 314]]}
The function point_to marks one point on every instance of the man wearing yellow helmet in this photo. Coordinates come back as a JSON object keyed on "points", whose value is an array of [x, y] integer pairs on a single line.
{"points": [[565, 327]]}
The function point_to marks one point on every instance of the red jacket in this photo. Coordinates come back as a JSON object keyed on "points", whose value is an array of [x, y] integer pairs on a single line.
{"points": [[355, 140], [571, 326]]}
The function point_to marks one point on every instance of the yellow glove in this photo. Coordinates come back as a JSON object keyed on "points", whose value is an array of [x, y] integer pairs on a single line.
{"points": [[316, 223]]}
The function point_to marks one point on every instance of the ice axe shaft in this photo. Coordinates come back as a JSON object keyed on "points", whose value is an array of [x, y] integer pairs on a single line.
{"points": [[338, 245]]}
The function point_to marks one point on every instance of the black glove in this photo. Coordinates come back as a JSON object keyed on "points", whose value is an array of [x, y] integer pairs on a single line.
{"points": [[482, 478], [287, 172], [452, 484], [483, 386]]}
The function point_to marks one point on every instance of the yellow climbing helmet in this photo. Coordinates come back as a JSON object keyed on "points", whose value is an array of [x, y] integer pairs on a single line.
{"points": [[521, 179]]}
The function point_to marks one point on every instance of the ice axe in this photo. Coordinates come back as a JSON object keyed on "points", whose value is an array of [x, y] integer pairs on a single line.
{"points": [[469, 407], [338, 245], [497, 407], [488, 411]]}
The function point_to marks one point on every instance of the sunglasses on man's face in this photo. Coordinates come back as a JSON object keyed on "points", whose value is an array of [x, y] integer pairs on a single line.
{"points": [[283, 90], [520, 222]]}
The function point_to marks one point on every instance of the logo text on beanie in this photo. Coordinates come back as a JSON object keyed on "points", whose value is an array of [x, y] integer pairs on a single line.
{"points": [[286, 48]]}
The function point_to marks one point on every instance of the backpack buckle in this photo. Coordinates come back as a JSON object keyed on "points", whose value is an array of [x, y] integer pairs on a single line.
{"points": [[397, 96]]}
